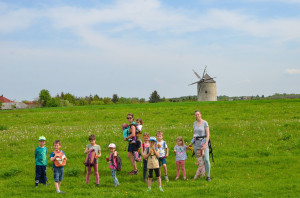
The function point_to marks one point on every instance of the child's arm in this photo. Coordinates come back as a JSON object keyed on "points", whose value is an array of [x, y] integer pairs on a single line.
{"points": [[156, 153], [52, 158], [99, 153], [167, 154]]}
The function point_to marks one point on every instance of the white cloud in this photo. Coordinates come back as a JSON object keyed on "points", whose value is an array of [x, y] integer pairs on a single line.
{"points": [[292, 71]]}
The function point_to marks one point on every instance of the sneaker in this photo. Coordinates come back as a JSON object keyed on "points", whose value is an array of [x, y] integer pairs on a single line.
{"points": [[184, 178], [176, 178], [160, 188], [167, 178], [131, 173], [208, 179], [136, 172]]}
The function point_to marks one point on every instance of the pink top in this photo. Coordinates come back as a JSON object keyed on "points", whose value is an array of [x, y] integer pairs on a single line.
{"points": [[144, 146], [114, 165]]}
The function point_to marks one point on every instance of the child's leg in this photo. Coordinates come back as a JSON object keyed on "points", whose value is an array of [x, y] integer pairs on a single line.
{"points": [[44, 177], [165, 169], [113, 174], [178, 169], [182, 163], [150, 176], [89, 170], [157, 174], [197, 173], [145, 169], [37, 174], [96, 173]]}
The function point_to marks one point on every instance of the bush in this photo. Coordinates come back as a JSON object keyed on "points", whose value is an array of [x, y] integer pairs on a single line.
{"points": [[2, 128], [44, 98], [11, 172]]}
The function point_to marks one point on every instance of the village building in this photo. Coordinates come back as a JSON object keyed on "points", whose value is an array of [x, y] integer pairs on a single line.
{"points": [[8, 104]]}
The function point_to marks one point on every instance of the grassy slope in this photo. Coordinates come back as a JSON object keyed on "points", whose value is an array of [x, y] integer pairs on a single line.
{"points": [[256, 148]]}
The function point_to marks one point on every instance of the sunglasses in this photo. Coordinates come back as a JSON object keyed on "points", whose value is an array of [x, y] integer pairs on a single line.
{"points": [[129, 118]]}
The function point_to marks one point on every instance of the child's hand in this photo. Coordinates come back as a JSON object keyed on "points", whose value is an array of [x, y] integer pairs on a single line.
{"points": [[116, 153], [174, 151], [166, 155], [196, 163], [91, 149], [190, 145]]}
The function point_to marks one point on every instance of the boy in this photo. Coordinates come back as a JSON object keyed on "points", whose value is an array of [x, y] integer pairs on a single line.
{"points": [[151, 154], [162, 146], [59, 160], [40, 155]]}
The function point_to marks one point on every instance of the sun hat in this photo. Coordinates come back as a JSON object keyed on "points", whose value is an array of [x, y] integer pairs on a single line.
{"points": [[153, 139], [42, 138], [112, 145]]}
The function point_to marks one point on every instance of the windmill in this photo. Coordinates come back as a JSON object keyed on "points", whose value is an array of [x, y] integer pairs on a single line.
{"points": [[206, 87]]}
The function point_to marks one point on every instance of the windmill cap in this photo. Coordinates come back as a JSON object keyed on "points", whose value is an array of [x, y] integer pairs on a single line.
{"points": [[42, 138], [112, 145], [153, 139]]}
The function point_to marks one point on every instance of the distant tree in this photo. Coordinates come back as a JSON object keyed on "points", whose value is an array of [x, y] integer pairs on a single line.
{"points": [[54, 102], [142, 100], [107, 100], [44, 98], [115, 98], [123, 100], [81, 102], [0, 104], [134, 100], [262, 96], [154, 97], [96, 98], [70, 98], [62, 95]]}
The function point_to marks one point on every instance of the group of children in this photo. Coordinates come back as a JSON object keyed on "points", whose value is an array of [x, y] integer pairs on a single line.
{"points": [[153, 149]]}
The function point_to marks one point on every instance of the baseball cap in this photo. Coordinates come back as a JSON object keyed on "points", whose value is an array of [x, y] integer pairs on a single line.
{"points": [[153, 139], [42, 138]]}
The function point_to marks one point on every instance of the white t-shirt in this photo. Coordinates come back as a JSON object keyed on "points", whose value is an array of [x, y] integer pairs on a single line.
{"points": [[161, 148]]}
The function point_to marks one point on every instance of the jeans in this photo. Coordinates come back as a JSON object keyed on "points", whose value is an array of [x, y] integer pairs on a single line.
{"points": [[113, 174], [206, 161], [145, 168], [40, 174], [58, 173]]}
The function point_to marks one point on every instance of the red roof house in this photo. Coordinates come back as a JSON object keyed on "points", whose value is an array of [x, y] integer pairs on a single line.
{"points": [[5, 100]]}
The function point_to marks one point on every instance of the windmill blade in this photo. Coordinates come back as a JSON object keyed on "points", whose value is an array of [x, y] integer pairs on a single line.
{"points": [[204, 71], [194, 83], [196, 74]]}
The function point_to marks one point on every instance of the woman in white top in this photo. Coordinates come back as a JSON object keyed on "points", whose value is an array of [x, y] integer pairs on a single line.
{"points": [[201, 129]]}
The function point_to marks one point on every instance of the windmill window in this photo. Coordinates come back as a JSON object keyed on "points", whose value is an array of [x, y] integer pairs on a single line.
{"points": [[205, 91]]}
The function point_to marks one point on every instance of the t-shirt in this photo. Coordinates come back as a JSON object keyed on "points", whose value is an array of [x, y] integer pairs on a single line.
{"points": [[152, 160], [180, 152], [96, 148], [144, 146], [200, 130], [114, 160], [161, 148], [52, 155], [40, 155]]}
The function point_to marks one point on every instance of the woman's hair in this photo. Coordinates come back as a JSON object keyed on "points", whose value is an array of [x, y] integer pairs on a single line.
{"points": [[92, 137], [181, 139], [140, 120], [130, 114], [146, 134], [197, 111]]}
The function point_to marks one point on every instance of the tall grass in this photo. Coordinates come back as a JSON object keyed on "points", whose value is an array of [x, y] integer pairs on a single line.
{"points": [[256, 148]]}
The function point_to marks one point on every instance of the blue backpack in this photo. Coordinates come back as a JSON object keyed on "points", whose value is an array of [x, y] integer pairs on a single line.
{"points": [[127, 130]]}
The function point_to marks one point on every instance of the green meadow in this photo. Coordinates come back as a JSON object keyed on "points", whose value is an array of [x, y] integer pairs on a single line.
{"points": [[256, 147]]}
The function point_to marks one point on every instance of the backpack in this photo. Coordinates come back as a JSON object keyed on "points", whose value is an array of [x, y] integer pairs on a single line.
{"points": [[60, 159], [137, 156], [210, 151], [90, 158], [119, 162]]}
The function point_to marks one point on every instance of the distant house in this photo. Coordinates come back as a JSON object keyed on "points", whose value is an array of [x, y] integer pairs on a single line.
{"points": [[33, 104], [8, 104]]}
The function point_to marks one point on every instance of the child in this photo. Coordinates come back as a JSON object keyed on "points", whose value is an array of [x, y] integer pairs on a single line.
{"points": [[200, 163], [97, 149], [198, 143], [138, 132], [144, 146], [162, 146], [40, 155], [113, 163], [59, 160], [180, 150], [152, 155]]}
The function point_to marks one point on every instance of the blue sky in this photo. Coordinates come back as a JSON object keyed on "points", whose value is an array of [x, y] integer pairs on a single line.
{"points": [[133, 47]]}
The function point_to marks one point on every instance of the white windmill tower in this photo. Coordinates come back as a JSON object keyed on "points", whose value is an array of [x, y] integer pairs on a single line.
{"points": [[206, 87]]}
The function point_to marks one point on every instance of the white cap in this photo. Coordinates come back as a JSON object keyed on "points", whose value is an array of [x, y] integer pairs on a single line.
{"points": [[112, 145]]}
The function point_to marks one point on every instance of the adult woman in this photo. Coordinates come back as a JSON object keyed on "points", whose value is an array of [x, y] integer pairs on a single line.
{"points": [[131, 146], [201, 130]]}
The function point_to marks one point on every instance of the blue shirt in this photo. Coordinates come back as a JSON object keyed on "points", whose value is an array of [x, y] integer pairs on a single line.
{"points": [[40, 155], [52, 154]]}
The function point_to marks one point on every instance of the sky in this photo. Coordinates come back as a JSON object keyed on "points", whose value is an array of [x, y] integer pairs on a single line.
{"points": [[133, 47]]}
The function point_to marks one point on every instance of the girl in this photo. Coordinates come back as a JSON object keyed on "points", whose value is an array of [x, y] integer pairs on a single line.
{"points": [[113, 163], [144, 146], [180, 150], [139, 123], [97, 149], [201, 164]]}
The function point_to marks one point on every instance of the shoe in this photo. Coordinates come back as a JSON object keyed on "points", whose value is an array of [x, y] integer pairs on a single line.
{"points": [[208, 179], [176, 178], [97, 185], [136, 172], [160, 188], [167, 178], [131, 173], [184, 178]]}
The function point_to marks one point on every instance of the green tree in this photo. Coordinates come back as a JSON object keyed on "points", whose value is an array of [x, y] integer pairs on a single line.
{"points": [[81, 102], [70, 98], [115, 98], [54, 102], [107, 100], [142, 100], [154, 97], [44, 98], [96, 98]]}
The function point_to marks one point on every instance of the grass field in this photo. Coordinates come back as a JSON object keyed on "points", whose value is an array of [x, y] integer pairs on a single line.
{"points": [[256, 148]]}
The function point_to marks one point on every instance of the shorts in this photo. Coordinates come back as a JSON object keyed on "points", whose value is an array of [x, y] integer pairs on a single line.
{"points": [[162, 161], [150, 173], [132, 147], [58, 173]]}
